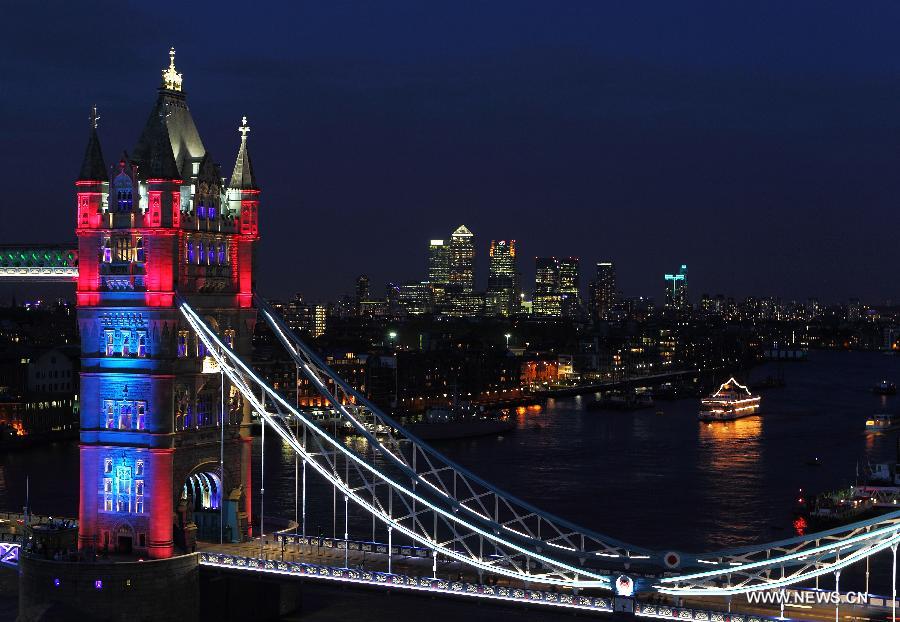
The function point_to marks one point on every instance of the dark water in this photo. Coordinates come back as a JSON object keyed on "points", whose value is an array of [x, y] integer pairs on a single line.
{"points": [[661, 481]]}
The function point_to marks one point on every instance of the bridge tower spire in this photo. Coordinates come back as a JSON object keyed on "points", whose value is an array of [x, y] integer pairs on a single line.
{"points": [[154, 411]]}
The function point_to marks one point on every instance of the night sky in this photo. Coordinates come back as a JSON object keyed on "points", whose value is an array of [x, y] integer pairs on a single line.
{"points": [[758, 142]]}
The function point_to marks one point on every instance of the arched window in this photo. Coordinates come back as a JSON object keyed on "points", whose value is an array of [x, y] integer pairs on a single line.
{"points": [[212, 254], [106, 251], [125, 412], [189, 255], [142, 345], [222, 254], [139, 248], [200, 250], [126, 344]]}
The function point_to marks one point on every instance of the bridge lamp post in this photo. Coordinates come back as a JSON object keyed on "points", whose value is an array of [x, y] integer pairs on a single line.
{"points": [[507, 335], [894, 585]]}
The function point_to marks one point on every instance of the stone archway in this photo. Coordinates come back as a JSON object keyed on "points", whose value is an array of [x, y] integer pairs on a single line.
{"points": [[124, 538]]}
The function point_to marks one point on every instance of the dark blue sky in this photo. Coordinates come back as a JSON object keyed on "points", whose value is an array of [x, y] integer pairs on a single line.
{"points": [[758, 142]]}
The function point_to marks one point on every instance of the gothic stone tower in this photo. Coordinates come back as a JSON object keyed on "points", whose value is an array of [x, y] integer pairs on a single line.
{"points": [[160, 222]]}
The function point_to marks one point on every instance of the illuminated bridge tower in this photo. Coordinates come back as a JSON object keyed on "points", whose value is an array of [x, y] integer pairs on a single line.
{"points": [[156, 224]]}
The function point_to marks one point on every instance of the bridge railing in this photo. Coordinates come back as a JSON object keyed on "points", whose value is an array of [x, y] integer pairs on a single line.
{"points": [[400, 581]]}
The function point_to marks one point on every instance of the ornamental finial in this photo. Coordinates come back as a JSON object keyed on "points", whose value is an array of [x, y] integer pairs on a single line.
{"points": [[171, 78], [95, 116], [244, 128]]}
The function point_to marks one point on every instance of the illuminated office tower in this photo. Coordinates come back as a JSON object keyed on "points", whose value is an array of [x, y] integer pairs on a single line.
{"points": [[569, 285], [439, 270], [546, 302], [362, 292], [677, 289], [603, 291], [503, 285], [461, 297]]}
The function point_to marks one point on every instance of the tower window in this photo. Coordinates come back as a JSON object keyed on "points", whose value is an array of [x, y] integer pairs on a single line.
{"points": [[107, 465], [202, 256], [122, 248], [110, 424], [229, 338], [126, 344], [221, 253], [107, 484], [110, 342], [212, 254], [212, 212], [190, 252], [139, 250], [142, 345], [125, 412], [182, 343], [139, 467], [141, 415]]}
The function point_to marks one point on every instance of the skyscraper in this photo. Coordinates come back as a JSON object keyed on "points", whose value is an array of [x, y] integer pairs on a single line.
{"points": [[569, 286], [503, 281], [556, 284], [603, 291], [546, 301], [439, 271], [676, 289], [362, 292], [461, 295], [462, 260]]}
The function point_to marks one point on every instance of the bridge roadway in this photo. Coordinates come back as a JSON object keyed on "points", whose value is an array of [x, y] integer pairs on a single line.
{"points": [[331, 554]]}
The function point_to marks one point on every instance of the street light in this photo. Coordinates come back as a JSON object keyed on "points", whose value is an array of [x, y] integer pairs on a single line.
{"points": [[507, 335]]}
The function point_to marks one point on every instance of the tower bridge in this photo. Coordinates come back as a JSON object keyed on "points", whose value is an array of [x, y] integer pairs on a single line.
{"points": [[163, 268]]}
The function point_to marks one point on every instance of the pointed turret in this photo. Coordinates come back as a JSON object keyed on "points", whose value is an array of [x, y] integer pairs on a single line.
{"points": [[158, 161], [92, 167], [170, 118], [243, 178]]}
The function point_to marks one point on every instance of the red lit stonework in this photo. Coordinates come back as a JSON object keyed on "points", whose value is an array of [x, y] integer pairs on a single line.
{"points": [[157, 224]]}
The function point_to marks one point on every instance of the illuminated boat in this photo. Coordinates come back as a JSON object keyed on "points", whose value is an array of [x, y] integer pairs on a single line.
{"points": [[732, 401], [881, 423]]}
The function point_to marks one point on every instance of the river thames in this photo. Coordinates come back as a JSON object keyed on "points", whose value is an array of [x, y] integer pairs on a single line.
{"points": [[664, 481]]}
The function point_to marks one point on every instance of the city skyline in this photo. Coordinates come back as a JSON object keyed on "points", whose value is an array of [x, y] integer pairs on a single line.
{"points": [[613, 133]]}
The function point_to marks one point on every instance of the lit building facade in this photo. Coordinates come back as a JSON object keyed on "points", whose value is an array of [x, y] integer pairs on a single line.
{"points": [[556, 284], [677, 289], [439, 269], [501, 298], [461, 297], [152, 226], [603, 292]]}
